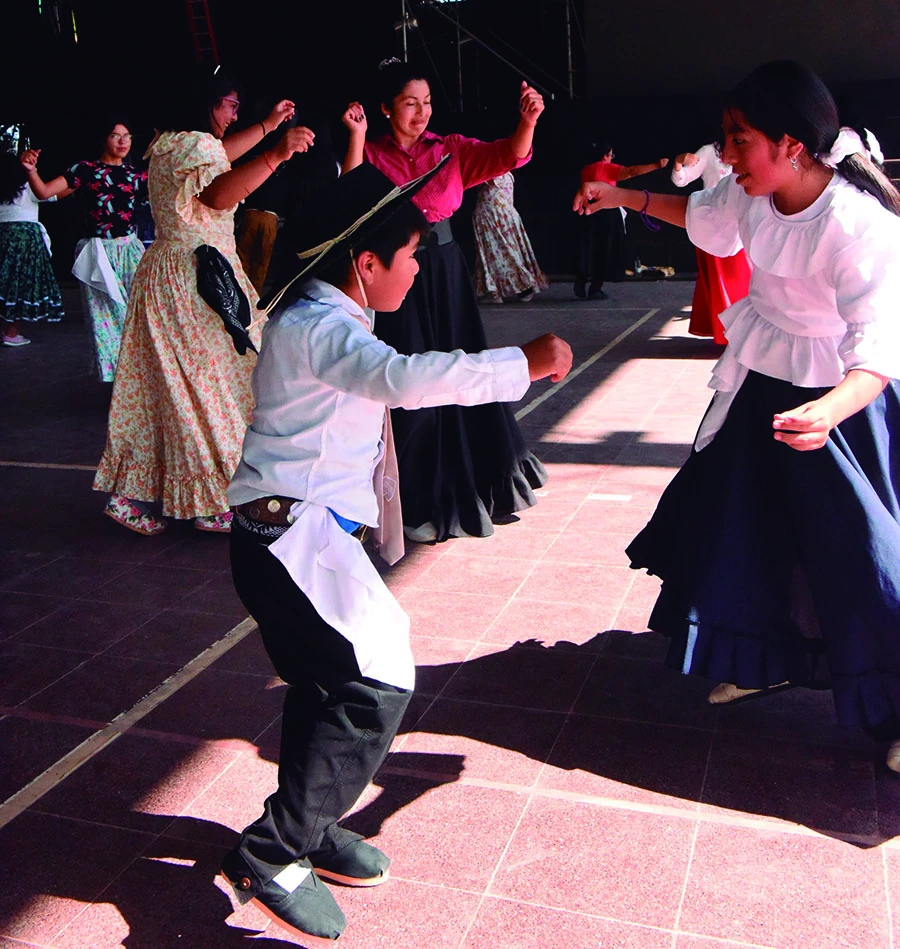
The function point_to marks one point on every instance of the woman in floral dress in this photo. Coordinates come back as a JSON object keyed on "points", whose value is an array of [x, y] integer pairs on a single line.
{"points": [[505, 265], [107, 256], [182, 396]]}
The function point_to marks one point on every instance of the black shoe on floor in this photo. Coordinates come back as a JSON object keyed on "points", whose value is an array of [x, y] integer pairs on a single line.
{"points": [[580, 289], [357, 864], [295, 898], [597, 294]]}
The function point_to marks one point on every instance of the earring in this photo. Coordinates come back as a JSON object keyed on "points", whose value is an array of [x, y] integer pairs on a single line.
{"points": [[794, 164]]}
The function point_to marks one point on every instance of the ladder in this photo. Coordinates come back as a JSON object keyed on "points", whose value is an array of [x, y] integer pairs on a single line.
{"points": [[204, 39]]}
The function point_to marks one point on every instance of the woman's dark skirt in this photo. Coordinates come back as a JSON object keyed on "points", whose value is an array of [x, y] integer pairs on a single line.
{"points": [[602, 247], [28, 289], [761, 547], [461, 468]]}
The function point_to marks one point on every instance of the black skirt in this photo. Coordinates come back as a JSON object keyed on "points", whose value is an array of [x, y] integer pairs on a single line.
{"points": [[768, 554], [602, 246], [461, 467]]}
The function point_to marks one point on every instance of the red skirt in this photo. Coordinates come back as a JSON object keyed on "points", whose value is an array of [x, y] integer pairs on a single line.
{"points": [[721, 281]]}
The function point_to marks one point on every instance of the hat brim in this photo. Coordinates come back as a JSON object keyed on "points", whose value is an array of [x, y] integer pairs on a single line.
{"points": [[313, 259]]}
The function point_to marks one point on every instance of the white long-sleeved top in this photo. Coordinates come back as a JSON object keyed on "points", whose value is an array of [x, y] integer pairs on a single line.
{"points": [[825, 291], [709, 167], [24, 208], [321, 386]]}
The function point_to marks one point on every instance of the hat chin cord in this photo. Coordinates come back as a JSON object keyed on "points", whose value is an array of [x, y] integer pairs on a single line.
{"points": [[359, 283]]}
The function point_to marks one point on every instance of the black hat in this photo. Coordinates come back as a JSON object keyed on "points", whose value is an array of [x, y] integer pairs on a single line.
{"points": [[343, 213]]}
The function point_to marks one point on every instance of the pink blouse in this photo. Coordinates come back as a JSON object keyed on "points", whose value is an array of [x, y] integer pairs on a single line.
{"points": [[473, 163]]}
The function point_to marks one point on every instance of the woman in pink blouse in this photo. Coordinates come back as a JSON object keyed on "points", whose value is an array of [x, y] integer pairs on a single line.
{"points": [[462, 469]]}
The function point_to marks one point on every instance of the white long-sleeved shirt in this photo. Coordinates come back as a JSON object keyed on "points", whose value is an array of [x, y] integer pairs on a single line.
{"points": [[321, 386], [709, 167], [825, 291]]}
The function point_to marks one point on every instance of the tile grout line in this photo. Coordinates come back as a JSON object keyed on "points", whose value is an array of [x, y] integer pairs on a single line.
{"points": [[83, 752], [525, 410]]}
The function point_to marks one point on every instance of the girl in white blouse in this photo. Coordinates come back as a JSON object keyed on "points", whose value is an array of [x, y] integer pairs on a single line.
{"points": [[779, 538]]}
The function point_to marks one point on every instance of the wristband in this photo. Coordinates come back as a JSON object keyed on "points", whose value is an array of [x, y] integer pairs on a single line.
{"points": [[262, 125], [265, 156], [650, 225]]}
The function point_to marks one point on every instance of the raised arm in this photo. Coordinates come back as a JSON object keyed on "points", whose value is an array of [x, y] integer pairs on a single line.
{"points": [[354, 118], [42, 189], [531, 105], [596, 195], [241, 142], [233, 186], [632, 171]]}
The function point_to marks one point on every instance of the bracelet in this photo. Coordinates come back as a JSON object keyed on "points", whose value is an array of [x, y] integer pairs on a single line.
{"points": [[265, 157], [262, 125], [650, 225]]}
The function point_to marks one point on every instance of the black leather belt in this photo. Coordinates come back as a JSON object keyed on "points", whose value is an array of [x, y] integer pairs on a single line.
{"points": [[274, 509]]}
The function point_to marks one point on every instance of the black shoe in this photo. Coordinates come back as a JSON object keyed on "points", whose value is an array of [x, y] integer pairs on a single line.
{"points": [[526, 296], [597, 294], [357, 864], [295, 898], [580, 289]]}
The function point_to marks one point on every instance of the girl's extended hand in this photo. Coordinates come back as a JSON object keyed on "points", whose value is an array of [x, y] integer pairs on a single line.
{"points": [[687, 159], [281, 112], [29, 159], [804, 428], [299, 139], [595, 196], [354, 118], [531, 104]]}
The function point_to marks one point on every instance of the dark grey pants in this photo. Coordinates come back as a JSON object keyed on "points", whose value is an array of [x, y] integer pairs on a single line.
{"points": [[337, 726]]}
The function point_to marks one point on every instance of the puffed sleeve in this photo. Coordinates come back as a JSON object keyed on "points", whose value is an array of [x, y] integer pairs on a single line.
{"points": [[713, 218], [683, 176], [480, 161], [198, 158], [866, 276]]}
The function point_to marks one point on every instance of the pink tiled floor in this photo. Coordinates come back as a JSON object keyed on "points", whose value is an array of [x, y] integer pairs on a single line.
{"points": [[553, 785]]}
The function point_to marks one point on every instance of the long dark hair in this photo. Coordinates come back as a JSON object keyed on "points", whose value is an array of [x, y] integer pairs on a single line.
{"points": [[787, 98], [393, 76], [13, 177], [205, 90]]}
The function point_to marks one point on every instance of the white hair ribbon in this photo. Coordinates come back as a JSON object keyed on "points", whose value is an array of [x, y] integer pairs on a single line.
{"points": [[847, 143]]}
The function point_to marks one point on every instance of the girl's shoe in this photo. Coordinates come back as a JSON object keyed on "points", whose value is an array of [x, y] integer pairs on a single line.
{"points": [[893, 756], [133, 515], [17, 340], [726, 692], [214, 523]]}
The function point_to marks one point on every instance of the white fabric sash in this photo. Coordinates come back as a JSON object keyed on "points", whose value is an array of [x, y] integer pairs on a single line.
{"points": [[93, 268], [335, 573]]}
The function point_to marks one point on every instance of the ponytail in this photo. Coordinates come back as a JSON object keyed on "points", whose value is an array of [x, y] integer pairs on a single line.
{"points": [[865, 175]]}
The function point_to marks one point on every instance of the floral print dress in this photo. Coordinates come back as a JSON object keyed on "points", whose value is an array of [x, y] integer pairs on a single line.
{"points": [[182, 399], [505, 265]]}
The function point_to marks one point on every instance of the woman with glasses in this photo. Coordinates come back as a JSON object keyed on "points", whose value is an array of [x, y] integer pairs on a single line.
{"points": [[182, 396], [108, 254]]}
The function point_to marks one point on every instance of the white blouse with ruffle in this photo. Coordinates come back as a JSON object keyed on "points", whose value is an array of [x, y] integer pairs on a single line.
{"points": [[824, 294]]}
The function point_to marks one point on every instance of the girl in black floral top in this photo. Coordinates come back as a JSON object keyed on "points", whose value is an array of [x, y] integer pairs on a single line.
{"points": [[108, 254]]}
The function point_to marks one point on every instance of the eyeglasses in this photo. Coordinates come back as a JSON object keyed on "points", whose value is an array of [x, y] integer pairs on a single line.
{"points": [[235, 103], [120, 138]]}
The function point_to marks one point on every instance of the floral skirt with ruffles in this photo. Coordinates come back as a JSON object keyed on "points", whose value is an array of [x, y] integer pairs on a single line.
{"points": [[181, 401], [28, 289]]}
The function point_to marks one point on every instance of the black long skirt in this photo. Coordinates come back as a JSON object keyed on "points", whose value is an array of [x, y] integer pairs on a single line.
{"points": [[760, 546], [461, 468], [602, 247]]}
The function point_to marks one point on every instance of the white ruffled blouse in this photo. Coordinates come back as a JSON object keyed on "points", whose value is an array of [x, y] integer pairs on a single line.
{"points": [[824, 294]]}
